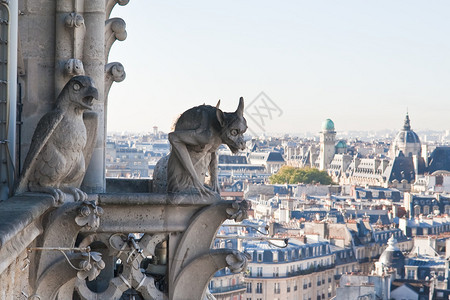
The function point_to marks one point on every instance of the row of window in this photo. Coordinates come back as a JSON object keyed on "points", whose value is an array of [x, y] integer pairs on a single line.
{"points": [[426, 209], [302, 252], [258, 287], [387, 235], [411, 274], [277, 289], [293, 268]]}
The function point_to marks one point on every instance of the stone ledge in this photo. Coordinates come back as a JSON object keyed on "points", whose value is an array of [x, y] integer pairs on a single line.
{"points": [[149, 212], [156, 199], [19, 211]]}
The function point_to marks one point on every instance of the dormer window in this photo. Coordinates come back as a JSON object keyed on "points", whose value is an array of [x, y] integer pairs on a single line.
{"points": [[275, 256], [260, 256]]}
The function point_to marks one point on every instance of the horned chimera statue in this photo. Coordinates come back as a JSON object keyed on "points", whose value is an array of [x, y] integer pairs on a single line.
{"points": [[198, 134]]}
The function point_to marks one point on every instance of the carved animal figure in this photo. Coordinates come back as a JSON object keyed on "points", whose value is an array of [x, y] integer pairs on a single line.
{"points": [[198, 134], [55, 162]]}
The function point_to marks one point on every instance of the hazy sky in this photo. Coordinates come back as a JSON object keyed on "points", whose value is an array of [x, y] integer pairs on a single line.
{"points": [[362, 64]]}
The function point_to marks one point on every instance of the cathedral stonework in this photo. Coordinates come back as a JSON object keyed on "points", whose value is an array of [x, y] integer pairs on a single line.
{"points": [[64, 234]]}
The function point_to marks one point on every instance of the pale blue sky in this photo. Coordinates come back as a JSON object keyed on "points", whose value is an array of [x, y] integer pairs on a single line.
{"points": [[360, 63]]}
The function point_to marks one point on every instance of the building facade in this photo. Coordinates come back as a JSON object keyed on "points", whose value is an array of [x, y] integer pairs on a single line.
{"points": [[304, 270]]}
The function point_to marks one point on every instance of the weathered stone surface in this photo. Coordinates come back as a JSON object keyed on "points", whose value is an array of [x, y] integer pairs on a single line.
{"points": [[19, 225], [71, 34], [204, 268], [20, 211], [109, 5], [94, 65], [194, 256], [14, 282], [55, 162], [198, 134], [148, 213], [114, 72], [188, 223], [115, 29]]}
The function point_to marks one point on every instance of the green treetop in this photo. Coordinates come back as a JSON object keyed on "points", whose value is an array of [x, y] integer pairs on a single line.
{"points": [[294, 175]]}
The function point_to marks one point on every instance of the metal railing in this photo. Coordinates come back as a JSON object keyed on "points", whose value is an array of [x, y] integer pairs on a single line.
{"points": [[226, 289]]}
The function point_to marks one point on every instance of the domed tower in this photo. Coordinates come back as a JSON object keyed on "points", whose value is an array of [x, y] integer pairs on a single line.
{"points": [[327, 144], [406, 142], [341, 147], [392, 257]]}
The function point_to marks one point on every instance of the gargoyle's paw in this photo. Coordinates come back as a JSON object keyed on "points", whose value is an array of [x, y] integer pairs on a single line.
{"points": [[78, 195], [83, 195], [59, 196]]}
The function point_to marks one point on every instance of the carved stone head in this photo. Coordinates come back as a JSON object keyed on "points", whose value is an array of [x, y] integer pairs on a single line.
{"points": [[79, 92], [233, 126]]}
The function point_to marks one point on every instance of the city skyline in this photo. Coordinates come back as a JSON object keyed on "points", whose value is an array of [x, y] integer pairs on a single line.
{"points": [[363, 65]]}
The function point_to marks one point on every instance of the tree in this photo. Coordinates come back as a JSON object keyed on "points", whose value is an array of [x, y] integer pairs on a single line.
{"points": [[294, 175]]}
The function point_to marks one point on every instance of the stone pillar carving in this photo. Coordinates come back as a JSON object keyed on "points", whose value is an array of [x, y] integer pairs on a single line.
{"points": [[109, 5], [94, 62], [131, 255], [115, 29], [114, 72], [70, 30], [98, 42], [194, 256], [50, 269]]}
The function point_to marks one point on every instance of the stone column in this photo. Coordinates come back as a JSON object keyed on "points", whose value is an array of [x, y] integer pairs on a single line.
{"points": [[70, 30], [63, 43], [94, 66]]}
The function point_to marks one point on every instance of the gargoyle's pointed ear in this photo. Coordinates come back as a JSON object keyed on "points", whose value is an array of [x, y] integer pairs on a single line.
{"points": [[218, 104], [220, 117], [240, 109]]}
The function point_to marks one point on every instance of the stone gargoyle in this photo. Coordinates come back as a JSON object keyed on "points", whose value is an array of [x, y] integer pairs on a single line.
{"points": [[198, 134], [63, 138]]}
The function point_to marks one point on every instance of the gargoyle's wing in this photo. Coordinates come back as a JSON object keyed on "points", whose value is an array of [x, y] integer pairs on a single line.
{"points": [[90, 120], [44, 130]]}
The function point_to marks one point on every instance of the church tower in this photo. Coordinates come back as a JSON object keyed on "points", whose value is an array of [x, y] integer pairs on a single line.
{"points": [[327, 144], [406, 142]]}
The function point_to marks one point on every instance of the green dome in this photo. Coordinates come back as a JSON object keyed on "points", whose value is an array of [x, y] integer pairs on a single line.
{"points": [[328, 125], [341, 144]]}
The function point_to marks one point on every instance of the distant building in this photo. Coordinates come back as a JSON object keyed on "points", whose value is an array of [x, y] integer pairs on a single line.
{"points": [[439, 160], [302, 270], [367, 287], [425, 268], [437, 182], [391, 258], [226, 285], [425, 226], [132, 160], [412, 290], [426, 205], [272, 161], [327, 144], [400, 170], [406, 142]]}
